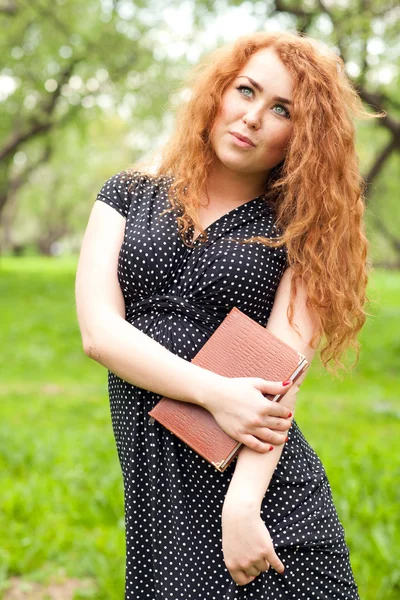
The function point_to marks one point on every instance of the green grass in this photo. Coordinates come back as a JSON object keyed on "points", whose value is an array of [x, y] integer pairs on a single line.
{"points": [[61, 502]]}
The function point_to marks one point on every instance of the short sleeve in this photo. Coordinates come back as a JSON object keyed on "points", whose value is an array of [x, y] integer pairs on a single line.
{"points": [[115, 193]]}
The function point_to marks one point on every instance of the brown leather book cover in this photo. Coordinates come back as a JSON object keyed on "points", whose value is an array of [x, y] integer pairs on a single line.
{"points": [[239, 347]]}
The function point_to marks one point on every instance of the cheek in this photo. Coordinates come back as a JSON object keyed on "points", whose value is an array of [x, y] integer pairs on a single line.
{"points": [[286, 135], [228, 108], [280, 137], [221, 122]]}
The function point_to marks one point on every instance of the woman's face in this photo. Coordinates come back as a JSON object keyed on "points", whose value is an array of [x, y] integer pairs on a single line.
{"points": [[256, 105]]}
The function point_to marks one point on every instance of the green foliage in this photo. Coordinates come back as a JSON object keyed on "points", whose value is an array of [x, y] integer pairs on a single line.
{"points": [[102, 78], [91, 85], [62, 497], [61, 505]]}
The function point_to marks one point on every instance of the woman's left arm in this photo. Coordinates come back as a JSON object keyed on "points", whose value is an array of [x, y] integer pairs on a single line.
{"points": [[248, 547]]}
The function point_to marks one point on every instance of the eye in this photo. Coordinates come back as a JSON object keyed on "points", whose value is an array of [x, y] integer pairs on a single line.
{"points": [[241, 89], [282, 111]]}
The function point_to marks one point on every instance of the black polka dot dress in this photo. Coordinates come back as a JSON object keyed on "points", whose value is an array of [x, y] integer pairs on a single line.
{"points": [[173, 498]]}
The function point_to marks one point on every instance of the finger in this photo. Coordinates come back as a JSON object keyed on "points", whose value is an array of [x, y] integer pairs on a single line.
{"points": [[253, 571], [278, 410], [275, 561], [266, 436], [256, 444], [274, 387], [278, 424], [241, 578], [261, 565]]}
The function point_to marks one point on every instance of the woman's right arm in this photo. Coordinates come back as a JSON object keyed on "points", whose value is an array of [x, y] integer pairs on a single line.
{"points": [[138, 359], [106, 336]]}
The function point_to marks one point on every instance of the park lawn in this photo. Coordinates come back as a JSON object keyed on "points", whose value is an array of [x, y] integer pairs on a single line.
{"points": [[61, 502]]}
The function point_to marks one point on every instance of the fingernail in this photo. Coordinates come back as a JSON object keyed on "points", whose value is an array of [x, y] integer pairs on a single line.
{"points": [[286, 439], [290, 414], [271, 448], [287, 382]]}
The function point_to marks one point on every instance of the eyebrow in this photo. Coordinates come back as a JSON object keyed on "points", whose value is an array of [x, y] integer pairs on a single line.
{"points": [[261, 89]]}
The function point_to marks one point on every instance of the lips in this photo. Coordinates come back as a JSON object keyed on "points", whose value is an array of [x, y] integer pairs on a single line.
{"points": [[243, 138]]}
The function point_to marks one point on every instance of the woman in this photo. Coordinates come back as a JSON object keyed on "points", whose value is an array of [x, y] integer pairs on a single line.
{"points": [[256, 204]]}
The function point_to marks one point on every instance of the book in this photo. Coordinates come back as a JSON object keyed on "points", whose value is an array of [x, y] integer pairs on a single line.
{"points": [[239, 347]]}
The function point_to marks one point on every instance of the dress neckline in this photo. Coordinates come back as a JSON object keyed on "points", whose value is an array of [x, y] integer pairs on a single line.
{"points": [[214, 224]]}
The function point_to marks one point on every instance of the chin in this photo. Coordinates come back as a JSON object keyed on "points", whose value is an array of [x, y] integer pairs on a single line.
{"points": [[233, 163]]}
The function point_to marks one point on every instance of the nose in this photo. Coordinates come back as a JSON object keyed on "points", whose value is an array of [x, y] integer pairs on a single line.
{"points": [[252, 119]]}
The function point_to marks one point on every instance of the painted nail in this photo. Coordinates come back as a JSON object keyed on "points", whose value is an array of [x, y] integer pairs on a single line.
{"points": [[271, 448], [286, 439], [287, 382], [290, 415]]}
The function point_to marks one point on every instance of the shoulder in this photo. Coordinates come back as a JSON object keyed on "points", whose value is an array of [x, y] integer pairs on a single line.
{"points": [[122, 188], [128, 181]]}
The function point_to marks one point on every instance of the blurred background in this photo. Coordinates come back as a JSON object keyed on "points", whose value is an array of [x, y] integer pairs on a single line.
{"points": [[86, 89]]}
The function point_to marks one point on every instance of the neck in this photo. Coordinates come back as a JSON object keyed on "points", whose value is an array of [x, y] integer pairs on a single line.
{"points": [[230, 187]]}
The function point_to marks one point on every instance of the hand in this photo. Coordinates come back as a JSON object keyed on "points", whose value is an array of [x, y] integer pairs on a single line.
{"points": [[246, 544], [241, 410]]}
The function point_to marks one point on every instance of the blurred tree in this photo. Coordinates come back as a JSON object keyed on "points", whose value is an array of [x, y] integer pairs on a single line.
{"points": [[76, 73], [64, 65]]}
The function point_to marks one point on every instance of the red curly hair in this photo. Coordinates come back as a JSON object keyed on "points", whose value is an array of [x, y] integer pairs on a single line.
{"points": [[316, 192]]}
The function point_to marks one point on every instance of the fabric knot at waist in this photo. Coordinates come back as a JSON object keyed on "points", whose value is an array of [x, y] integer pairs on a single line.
{"points": [[177, 305]]}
